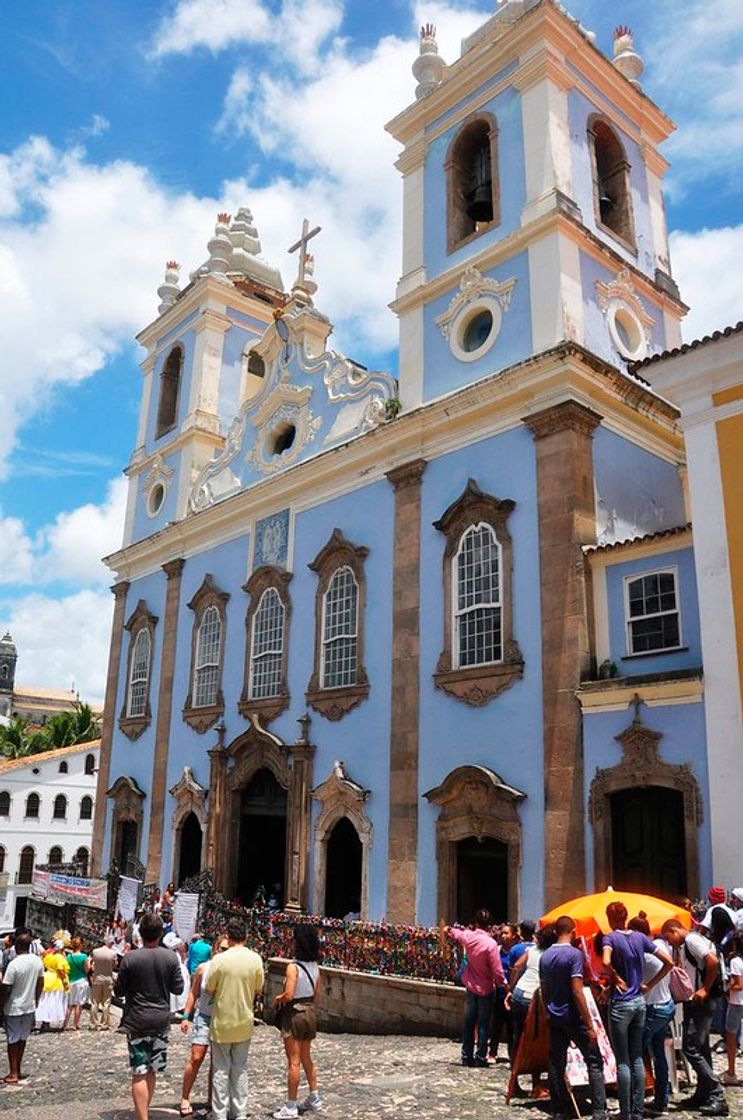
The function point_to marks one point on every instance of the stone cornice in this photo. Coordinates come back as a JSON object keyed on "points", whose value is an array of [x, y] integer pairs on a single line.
{"points": [[217, 295], [487, 407], [409, 474], [173, 568], [568, 415]]}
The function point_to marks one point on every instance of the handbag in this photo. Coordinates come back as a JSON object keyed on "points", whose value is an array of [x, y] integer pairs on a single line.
{"points": [[680, 985]]}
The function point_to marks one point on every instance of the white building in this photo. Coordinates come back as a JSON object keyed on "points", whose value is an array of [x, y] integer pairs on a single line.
{"points": [[46, 816]]}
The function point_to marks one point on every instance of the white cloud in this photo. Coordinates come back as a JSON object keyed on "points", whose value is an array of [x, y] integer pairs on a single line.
{"points": [[16, 552], [62, 641], [213, 24], [700, 260], [74, 544]]}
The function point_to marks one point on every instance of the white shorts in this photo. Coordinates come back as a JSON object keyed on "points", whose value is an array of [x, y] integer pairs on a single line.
{"points": [[200, 1029], [78, 993], [18, 1027]]}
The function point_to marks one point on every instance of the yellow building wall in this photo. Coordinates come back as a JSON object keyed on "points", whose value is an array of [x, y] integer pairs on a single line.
{"points": [[730, 446]]}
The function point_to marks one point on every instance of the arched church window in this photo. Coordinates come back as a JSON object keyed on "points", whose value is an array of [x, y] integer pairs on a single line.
{"points": [[82, 860], [90, 764], [63, 768], [205, 702], [473, 190], [55, 856], [32, 806], [170, 383], [480, 656], [339, 642], [86, 808], [611, 181], [267, 646], [265, 690], [253, 375], [4, 803], [477, 607], [139, 674], [60, 808], [26, 864]]}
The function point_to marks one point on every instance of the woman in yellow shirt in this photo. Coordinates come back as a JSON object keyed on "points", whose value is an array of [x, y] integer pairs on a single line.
{"points": [[52, 1007]]}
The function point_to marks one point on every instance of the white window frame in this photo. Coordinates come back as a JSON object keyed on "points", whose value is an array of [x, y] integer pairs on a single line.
{"points": [[142, 680], [200, 664], [456, 613], [325, 641], [669, 569], [274, 652]]}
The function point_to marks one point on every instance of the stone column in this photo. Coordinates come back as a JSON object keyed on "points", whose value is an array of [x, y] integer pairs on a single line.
{"points": [[110, 708], [301, 754], [567, 520], [216, 808], [173, 570], [402, 857]]}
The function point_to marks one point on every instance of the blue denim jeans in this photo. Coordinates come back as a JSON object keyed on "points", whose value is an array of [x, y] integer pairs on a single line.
{"points": [[657, 1018], [561, 1035], [477, 1012], [627, 1023]]}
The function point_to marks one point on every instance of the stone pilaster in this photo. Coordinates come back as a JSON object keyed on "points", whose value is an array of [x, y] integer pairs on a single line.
{"points": [[563, 436], [217, 808], [402, 858], [173, 570], [107, 728], [301, 754]]}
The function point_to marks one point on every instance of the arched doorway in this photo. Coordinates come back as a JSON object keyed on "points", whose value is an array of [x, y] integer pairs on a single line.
{"points": [[128, 843], [262, 848], [343, 871], [648, 841], [189, 862], [482, 878]]}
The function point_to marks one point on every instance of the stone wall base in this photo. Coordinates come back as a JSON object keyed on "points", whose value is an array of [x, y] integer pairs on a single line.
{"points": [[361, 1003]]}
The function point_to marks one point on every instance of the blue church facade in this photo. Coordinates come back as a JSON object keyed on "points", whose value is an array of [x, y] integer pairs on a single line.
{"points": [[406, 646]]}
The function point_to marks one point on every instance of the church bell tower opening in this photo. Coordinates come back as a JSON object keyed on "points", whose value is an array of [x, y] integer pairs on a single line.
{"points": [[262, 851], [343, 883]]}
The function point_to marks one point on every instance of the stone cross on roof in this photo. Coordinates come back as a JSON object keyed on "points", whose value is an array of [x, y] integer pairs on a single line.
{"points": [[304, 257]]}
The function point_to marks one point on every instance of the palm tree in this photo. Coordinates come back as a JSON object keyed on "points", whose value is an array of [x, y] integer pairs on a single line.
{"points": [[14, 739]]}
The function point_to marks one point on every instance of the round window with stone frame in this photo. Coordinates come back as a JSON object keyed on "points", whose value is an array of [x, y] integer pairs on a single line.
{"points": [[627, 332], [155, 499], [475, 329]]}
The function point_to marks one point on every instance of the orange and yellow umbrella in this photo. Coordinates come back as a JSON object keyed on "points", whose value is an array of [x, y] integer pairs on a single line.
{"points": [[589, 912]]}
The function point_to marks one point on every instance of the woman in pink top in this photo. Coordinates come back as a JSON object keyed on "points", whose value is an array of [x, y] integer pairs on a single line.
{"points": [[483, 974]]}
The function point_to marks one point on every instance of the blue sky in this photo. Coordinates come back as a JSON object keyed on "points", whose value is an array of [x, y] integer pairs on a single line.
{"points": [[127, 125]]}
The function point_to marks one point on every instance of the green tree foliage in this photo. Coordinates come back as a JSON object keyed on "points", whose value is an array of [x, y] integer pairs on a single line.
{"points": [[19, 739]]}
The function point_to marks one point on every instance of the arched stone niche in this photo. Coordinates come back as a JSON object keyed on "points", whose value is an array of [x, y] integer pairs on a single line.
{"points": [[127, 798], [641, 766], [475, 801], [190, 797], [339, 797]]}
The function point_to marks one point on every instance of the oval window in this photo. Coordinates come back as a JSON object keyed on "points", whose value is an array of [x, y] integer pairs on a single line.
{"points": [[477, 331], [157, 497], [283, 438]]}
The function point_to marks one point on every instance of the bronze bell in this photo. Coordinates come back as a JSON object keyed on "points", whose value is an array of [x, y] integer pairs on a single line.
{"points": [[480, 203]]}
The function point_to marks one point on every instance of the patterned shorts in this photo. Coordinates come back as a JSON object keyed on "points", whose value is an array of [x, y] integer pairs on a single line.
{"points": [[148, 1054]]}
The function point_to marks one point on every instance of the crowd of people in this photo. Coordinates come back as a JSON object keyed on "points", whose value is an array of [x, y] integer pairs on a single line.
{"points": [[639, 986], [211, 989]]}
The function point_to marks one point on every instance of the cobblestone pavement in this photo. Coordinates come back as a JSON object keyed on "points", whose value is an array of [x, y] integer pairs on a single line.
{"points": [[83, 1076]]}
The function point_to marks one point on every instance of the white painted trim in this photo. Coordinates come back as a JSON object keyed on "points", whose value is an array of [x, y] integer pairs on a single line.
{"points": [[626, 581], [656, 694], [601, 615]]}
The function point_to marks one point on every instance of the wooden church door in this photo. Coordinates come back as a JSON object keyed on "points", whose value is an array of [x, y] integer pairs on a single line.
{"points": [[648, 841]]}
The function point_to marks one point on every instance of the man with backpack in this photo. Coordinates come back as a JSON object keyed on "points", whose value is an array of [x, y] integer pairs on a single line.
{"points": [[704, 965]]}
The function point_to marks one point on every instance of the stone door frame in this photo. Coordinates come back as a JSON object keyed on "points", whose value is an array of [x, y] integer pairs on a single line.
{"points": [[340, 797], [190, 797], [127, 798], [475, 801]]}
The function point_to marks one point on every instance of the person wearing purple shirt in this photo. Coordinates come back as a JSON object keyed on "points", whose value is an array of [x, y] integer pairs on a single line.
{"points": [[569, 1020], [483, 974], [623, 958]]}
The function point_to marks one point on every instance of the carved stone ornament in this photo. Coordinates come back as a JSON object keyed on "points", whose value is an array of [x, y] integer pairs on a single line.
{"points": [[287, 405], [477, 685], [630, 325], [642, 767], [339, 797], [127, 798], [475, 801], [140, 619], [476, 293], [203, 717], [334, 703], [190, 797], [159, 473], [269, 707]]}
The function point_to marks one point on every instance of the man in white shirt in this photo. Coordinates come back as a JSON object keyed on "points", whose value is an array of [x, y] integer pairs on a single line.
{"points": [[22, 985], [736, 902], [702, 963]]}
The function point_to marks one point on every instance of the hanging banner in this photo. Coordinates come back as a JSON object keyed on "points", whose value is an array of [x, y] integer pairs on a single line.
{"points": [[185, 915], [69, 888], [127, 900]]}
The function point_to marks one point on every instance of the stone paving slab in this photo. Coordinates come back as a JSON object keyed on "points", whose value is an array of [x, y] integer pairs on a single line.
{"points": [[84, 1076]]}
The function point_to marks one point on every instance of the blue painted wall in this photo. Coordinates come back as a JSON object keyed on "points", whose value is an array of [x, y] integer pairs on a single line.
{"points": [[636, 492], [506, 107], [597, 336], [684, 741], [443, 372], [505, 735], [144, 525], [186, 338], [690, 656], [580, 109]]}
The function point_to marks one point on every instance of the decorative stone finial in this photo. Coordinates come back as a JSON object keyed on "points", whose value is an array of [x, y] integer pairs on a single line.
{"points": [[429, 66], [220, 246], [626, 59], [169, 290]]}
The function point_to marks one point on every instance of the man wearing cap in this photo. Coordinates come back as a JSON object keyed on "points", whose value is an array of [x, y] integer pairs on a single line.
{"points": [[717, 898]]}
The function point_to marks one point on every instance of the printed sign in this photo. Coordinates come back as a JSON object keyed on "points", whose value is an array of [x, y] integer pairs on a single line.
{"points": [[69, 888]]}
